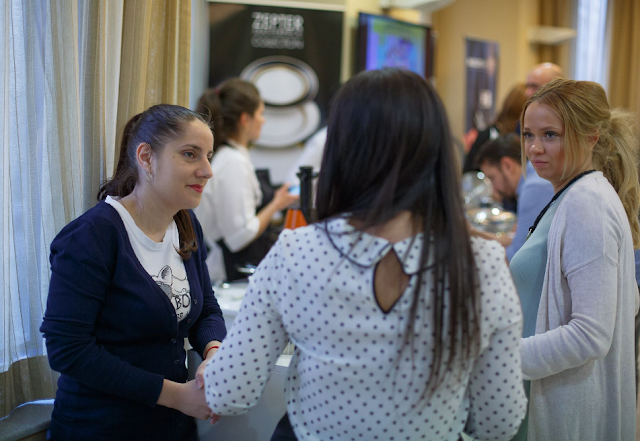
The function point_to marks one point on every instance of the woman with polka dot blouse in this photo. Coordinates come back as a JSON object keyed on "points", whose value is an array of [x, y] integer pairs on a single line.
{"points": [[405, 327]]}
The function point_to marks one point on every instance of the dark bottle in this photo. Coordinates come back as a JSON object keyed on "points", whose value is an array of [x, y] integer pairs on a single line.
{"points": [[306, 176], [305, 214]]}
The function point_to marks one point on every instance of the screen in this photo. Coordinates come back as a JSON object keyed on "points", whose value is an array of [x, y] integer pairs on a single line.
{"points": [[386, 42]]}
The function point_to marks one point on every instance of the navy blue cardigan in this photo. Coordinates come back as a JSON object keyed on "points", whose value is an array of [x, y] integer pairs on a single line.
{"points": [[113, 335]]}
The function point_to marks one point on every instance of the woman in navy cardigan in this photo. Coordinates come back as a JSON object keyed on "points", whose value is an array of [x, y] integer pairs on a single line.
{"points": [[129, 283]]}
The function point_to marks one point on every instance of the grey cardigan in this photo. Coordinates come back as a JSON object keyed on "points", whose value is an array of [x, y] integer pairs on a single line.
{"points": [[581, 360]]}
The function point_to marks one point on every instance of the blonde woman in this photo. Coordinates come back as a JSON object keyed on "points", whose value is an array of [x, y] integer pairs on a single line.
{"points": [[575, 273]]}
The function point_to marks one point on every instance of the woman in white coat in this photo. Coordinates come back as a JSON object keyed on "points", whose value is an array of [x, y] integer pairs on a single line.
{"points": [[575, 273], [236, 208]]}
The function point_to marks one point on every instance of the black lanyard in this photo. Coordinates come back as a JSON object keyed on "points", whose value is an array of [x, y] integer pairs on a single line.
{"points": [[553, 199]]}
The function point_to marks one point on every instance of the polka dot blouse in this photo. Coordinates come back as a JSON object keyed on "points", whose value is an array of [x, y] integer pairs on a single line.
{"points": [[350, 377]]}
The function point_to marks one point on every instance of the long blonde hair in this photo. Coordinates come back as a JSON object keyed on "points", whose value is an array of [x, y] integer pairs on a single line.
{"points": [[583, 108]]}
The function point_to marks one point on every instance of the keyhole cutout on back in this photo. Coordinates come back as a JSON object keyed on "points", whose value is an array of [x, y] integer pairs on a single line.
{"points": [[389, 281]]}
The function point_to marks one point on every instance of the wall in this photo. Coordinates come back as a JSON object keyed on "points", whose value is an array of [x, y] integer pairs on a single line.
{"points": [[504, 21]]}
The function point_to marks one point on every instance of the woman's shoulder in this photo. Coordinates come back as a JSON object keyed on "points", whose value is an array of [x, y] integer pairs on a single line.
{"points": [[102, 217], [590, 219], [228, 160], [589, 196], [227, 153], [98, 229], [302, 242], [308, 235]]}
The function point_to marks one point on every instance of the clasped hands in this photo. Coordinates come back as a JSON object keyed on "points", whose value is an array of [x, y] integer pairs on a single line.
{"points": [[199, 382], [189, 398]]}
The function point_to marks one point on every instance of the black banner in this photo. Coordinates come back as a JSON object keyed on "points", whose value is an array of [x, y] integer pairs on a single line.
{"points": [[292, 55], [482, 69]]}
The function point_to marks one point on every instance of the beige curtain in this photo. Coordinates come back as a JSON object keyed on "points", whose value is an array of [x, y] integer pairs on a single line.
{"points": [[156, 42], [40, 174], [100, 51], [556, 13], [624, 67], [71, 74]]}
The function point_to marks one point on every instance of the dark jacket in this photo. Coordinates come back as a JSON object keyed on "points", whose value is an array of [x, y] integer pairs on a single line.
{"points": [[112, 333]]}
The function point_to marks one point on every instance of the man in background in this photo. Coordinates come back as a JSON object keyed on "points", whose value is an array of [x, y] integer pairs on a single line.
{"points": [[500, 160], [540, 75], [537, 77]]}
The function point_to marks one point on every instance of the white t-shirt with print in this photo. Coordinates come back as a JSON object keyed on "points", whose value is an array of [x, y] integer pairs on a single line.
{"points": [[160, 260]]}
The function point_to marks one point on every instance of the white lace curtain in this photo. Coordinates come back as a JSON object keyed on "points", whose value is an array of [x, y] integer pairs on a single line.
{"points": [[591, 42], [59, 103]]}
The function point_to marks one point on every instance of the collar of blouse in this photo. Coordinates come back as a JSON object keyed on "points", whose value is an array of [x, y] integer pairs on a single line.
{"points": [[366, 250]]}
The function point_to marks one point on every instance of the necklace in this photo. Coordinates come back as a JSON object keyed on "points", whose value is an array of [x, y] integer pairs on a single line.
{"points": [[553, 199]]}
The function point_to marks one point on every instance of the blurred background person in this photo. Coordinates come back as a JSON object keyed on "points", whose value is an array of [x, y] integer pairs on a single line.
{"points": [[540, 75], [373, 292], [237, 207], [504, 124], [575, 274]]}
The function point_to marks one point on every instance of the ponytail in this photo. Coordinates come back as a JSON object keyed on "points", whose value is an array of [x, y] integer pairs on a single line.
{"points": [[209, 107], [156, 126], [124, 180], [616, 155]]}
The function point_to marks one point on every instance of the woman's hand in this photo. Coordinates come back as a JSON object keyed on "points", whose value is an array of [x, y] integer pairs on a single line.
{"points": [[188, 398], [209, 351], [282, 198]]}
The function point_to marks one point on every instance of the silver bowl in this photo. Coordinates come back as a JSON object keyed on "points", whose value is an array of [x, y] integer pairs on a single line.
{"points": [[477, 190], [492, 219]]}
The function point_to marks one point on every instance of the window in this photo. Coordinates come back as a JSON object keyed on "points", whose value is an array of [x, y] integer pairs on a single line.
{"points": [[591, 58]]}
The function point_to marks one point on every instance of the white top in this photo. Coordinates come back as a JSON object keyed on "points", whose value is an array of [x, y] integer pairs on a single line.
{"points": [[228, 207], [581, 359], [311, 155], [160, 260], [344, 382]]}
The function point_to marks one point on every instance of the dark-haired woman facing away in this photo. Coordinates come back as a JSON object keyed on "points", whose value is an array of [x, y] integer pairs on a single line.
{"points": [[404, 326], [129, 283], [236, 207]]}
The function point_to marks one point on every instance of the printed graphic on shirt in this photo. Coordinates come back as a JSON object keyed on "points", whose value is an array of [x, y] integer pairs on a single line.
{"points": [[176, 289]]}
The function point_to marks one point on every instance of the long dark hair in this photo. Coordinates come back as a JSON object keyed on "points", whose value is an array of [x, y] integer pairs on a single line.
{"points": [[388, 150], [225, 104], [156, 126]]}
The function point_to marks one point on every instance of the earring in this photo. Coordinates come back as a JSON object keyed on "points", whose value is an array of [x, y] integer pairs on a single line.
{"points": [[149, 177]]}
